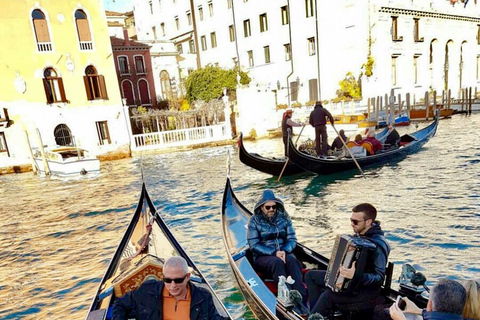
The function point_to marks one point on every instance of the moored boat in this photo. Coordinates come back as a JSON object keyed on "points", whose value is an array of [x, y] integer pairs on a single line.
{"points": [[144, 247], [258, 295], [421, 113], [410, 143], [66, 161]]}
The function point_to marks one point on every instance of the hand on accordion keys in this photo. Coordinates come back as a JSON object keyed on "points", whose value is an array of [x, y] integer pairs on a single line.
{"points": [[348, 273]]}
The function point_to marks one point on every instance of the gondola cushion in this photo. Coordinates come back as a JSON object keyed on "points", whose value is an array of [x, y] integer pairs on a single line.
{"points": [[137, 271]]}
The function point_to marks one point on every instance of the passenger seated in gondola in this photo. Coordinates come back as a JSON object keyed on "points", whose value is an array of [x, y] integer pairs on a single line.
{"points": [[272, 239], [358, 139], [377, 145], [337, 144], [393, 138]]}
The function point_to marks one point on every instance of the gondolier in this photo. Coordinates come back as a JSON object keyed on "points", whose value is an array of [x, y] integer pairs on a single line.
{"points": [[318, 120], [287, 124]]}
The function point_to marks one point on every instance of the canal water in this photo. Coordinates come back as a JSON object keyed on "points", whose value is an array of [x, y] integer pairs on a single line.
{"points": [[58, 236]]}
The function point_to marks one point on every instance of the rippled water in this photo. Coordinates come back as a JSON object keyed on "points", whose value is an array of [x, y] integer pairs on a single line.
{"points": [[58, 236]]}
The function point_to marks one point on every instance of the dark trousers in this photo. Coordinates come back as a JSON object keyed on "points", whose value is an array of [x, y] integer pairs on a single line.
{"points": [[274, 267], [321, 145], [322, 300], [285, 145]]}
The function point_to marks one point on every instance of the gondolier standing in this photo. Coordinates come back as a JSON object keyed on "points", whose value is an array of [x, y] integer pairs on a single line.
{"points": [[318, 120], [287, 124]]}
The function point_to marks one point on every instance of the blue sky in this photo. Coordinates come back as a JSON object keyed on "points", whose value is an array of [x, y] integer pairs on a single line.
{"points": [[118, 5]]}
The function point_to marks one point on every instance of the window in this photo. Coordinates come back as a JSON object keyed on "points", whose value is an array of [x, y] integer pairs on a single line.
{"points": [[395, 36], [213, 39], [478, 34], [250, 58], [83, 30], [231, 32], [103, 134], [246, 28], [266, 51], [210, 8], [200, 13], [53, 85], [294, 90], [311, 46], [229, 4], [42, 35], [144, 92], [180, 48], [154, 31], [189, 18], [63, 135], [288, 52], [416, 30], [478, 67], [150, 5], [263, 23], [3, 144], [162, 27], [191, 46], [309, 8], [204, 43], [94, 84], [140, 65], [166, 86], [128, 93], [123, 66], [284, 11], [177, 23], [394, 70], [415, 69]]}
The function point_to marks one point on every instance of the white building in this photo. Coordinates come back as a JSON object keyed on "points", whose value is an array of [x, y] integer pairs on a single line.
{"points": [[416, 46]]}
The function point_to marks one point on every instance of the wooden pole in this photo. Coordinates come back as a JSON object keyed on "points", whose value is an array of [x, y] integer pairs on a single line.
{"points": [[463, 99], [288, 159], [407, 97], [34, 164], [427, 95], [470, 100], [449, 98], [368, 107]]}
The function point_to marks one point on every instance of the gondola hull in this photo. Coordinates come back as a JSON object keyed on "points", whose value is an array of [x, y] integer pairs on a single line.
{"points": [[161, 245], [261, 300], [332, 165]]}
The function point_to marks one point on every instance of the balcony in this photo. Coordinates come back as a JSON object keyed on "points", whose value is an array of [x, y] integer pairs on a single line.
{"points": [[86, 45], [44, 46]]}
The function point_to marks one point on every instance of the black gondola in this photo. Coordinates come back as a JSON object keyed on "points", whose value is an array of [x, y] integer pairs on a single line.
{"points": [[146, 244], [410, 143], [261, 300]]}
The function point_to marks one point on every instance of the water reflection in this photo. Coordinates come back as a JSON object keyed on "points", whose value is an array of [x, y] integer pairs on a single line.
{"points": [[59, 235]]}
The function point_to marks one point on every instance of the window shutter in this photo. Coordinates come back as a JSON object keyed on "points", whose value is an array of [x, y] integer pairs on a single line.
{"points": [[312, 87], [41, 30], [107, 132], [83, 30], [294, 91], [88, 89], [62, 90], [47, 91], [103, 87]]}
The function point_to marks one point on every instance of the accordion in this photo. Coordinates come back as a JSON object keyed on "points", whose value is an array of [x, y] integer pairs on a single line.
{"points": [[346, 250]]}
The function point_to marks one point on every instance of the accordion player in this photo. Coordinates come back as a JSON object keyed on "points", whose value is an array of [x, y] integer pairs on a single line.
{"points": [[346, 250]]}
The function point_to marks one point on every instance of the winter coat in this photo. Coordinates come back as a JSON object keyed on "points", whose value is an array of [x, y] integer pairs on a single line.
{"points": [[435, 315], [267, 236], [374, 274], [318, 116], [146, 303]]}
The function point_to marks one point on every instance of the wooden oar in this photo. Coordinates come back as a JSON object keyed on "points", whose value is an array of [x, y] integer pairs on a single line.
{"points": [[288, 159], [349, 151]]}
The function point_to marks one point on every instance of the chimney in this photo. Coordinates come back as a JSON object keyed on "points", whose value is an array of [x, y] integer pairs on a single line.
{"points": [[126, 41]]}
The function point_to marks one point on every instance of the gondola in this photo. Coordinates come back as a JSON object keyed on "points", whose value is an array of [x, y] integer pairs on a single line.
{"points": [[145, 246], [409, 143], [260, 298], [274, 166]]}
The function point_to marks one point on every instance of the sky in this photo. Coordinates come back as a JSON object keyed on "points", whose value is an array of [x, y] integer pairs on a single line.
{"points": [[118, 5]]}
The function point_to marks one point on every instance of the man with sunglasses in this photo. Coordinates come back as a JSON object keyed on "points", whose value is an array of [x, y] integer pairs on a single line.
{"points": [[322, 299], [271, 239], [174, 298]]}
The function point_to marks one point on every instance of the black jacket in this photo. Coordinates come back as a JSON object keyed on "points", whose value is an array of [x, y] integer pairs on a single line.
{"points": [[374, 274], [318, 116], [146, 303]]}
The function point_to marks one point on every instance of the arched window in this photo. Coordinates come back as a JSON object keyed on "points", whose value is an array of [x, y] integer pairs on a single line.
{"points": [[63, 135], [166, 85], [83, 30], [127, 92], [94, 84], [53, 85], [40, 26], [144, 92]]}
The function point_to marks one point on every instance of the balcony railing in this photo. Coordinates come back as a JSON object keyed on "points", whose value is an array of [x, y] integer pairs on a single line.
{"points": [[86, 45], [44, 46]]}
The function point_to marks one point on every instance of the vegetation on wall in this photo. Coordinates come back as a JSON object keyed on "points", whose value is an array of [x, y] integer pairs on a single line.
{"points": [[368, 66], [349, 89], [208, 83]]}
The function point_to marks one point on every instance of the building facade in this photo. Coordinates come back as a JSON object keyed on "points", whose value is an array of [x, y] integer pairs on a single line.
{"points": [[300, 50], [58, 79]]}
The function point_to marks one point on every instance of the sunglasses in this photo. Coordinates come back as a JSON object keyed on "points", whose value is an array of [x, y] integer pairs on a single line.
{"points": [[271, 207], [355, 222], [176, 280]]}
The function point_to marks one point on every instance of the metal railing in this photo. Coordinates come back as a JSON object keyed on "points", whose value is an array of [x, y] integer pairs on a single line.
{"points": [[44, 46], [86, 45]]}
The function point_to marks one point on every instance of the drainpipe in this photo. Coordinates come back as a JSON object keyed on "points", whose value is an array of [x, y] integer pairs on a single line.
{"points": [[195, 35], [318, 52], [235, 33], [291, 51]]}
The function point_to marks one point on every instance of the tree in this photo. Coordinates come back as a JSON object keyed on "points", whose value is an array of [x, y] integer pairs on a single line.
{"points": [[208, 83], [349, 88]]}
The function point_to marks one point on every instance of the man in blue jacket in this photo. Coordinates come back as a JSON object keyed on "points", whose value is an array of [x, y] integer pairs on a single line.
{"points": [[173, 298], [318, 120], [322, 299]]}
